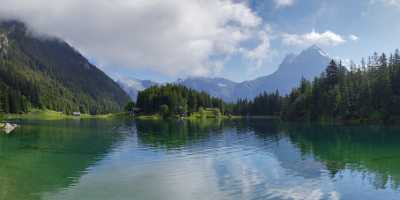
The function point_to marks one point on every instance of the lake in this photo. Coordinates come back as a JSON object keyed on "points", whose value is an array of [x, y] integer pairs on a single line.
{"points": [[209, 159]]}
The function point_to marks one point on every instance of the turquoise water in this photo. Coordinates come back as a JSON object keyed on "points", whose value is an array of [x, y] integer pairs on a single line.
{"points": [[255, 159]]}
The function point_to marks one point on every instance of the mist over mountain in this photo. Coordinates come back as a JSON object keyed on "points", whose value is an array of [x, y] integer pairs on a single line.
{"points": [[47, 73]]}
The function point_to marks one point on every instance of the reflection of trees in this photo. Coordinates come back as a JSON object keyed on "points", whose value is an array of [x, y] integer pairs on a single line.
{"points": [[263, 128], [371, 150], [176, 134], [50, 156]]}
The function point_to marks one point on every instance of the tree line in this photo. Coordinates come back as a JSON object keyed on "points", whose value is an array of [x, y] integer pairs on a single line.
{"points": [[369, 91], [266, 104]]}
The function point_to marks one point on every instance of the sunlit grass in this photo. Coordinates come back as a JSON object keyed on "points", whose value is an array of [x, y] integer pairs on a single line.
{"points": [[37, 114]]}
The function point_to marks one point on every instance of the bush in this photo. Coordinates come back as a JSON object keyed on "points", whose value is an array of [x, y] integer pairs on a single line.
{"points": [[164, 110]]}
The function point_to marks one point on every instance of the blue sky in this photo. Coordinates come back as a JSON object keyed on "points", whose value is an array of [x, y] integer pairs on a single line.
{"points": [[372, 22], [236, 39]]}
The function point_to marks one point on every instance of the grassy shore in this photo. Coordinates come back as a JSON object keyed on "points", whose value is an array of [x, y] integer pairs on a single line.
{"points": [[149, 117], [37, 114], [205, 114], [53, 115]]}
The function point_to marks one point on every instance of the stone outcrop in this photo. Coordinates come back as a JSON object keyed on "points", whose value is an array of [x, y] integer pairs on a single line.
{"points": [[7, 127]]}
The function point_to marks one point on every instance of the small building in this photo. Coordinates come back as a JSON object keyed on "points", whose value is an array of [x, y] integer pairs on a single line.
{"points": [[77, 114]]}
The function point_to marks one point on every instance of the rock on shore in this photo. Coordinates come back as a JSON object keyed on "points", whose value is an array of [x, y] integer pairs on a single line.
{"points": [[8, 127]]}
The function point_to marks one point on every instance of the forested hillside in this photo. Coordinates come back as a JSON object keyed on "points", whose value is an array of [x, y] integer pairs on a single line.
{"points": [[47, 73], [266, 104], [370, 92], [366, 92]]}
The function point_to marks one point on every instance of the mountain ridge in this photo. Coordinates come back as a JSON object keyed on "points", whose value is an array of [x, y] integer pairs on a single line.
{"points": [[308, 64], [48, 73]]}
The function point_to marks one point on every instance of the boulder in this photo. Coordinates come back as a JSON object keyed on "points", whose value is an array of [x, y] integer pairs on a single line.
{"points": [[8, 127]]}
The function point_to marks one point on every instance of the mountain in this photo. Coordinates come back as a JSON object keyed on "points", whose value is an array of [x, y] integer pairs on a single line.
{"points": [[47, 73], [133, 86], [308, 64], [217, 87]]}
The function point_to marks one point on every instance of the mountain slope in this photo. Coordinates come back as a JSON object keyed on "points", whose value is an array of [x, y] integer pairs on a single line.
{"points": [[49, 74], [133, 86], [308, 64]]}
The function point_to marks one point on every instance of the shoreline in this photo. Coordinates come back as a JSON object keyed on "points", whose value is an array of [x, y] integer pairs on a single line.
{"points": [[49, 115], [195, 117]]}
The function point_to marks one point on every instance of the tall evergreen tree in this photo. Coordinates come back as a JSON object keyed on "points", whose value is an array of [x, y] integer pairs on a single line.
{"points": [[332, 73]]}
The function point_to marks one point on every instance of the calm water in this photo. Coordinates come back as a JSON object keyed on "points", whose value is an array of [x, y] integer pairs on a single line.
{"points": [[144, 160]]}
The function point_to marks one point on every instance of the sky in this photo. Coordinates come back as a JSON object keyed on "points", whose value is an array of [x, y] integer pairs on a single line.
{"points": [[163, 40]]}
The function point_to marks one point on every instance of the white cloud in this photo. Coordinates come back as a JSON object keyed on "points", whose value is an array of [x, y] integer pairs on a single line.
{"points": [[174, 37], [284, 3], [327, 38], [387, 2], [260, 53], [353, 37]]}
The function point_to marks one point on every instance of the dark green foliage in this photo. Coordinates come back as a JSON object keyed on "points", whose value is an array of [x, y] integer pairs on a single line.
{"points": [[174, 99], [332, 74], [370, 92], [164, 110], [49, 74], [130, 107], [263, 105]]}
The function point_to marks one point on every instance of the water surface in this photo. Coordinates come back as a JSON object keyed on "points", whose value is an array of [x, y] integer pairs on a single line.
{"points": [[243, 159]]}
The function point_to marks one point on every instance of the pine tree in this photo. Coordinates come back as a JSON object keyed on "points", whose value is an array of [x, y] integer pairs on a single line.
{"points": [[332, 72]]}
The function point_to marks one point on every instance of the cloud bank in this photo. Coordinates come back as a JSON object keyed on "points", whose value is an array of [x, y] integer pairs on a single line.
{"points": [[174, 37]]}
